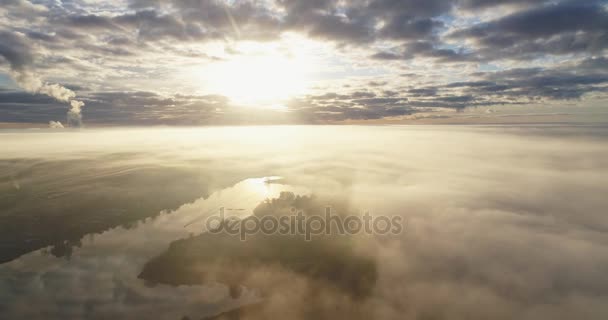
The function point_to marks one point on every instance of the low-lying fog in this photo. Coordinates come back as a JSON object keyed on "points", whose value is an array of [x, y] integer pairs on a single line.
{"points": [[501, 223]]}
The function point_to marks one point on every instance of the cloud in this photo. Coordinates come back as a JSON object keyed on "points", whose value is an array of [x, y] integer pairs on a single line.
{"points": [[17, 53], [55, 125], [562, 28], [107, 47], [426, 50], [484, 238], [15, 50]]}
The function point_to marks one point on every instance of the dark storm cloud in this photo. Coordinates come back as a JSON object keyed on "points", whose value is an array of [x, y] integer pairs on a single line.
{"points": [[545, 21], [148, 25], [403, 10], [594, 64], [404, 28], [35, 35], [421, 92], [15, 50], [20, 8], [480, 4], [127, 108], [152, 25], [15, 97], [137, 108], [417, 24], [566, 27], [425, 49], [201, 20], [151, 108], [339, 107], [322, 19], [357, 105], [515, 86], [352, 22], [355, 21], [344, 22], [18, 106], [550, 29], [114, 108], [89, 21], [315, 114], [532, 84]]}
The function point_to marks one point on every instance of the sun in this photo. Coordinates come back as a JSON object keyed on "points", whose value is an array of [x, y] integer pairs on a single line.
{"points": [[261, 78]]}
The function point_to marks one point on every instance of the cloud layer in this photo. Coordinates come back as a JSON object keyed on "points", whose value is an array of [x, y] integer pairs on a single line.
{"points": [[510, 232], [383, 58]]}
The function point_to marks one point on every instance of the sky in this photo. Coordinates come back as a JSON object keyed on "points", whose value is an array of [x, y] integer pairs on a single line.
{"points": [[215, 62]]}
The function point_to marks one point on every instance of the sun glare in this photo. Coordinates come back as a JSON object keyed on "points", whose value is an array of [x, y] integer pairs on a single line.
{"points": [[264, 77], [259, 79]]}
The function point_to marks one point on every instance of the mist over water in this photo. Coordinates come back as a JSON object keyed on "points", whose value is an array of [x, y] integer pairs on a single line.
{"points": [[503, 222]]}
